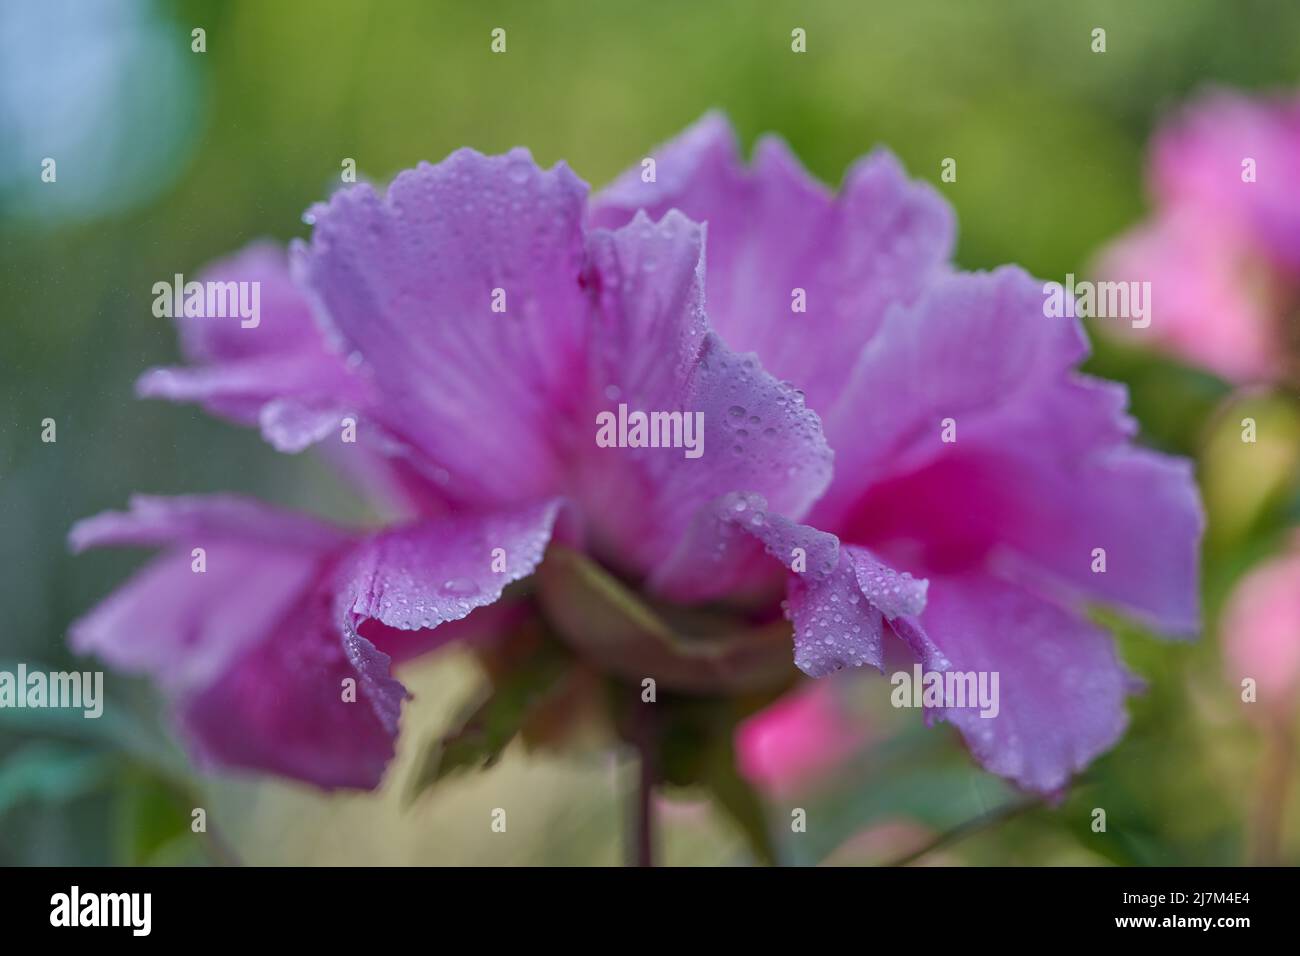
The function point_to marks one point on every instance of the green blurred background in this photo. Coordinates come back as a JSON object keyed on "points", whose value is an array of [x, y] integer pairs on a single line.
{"points": [[169, 158]]}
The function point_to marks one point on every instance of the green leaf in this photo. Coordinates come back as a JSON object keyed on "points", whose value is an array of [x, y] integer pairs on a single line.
{"points": [[489, 724], [742, 804], [915, 774], [153, 816], [632, 637], [50, 772], [117, 727]]}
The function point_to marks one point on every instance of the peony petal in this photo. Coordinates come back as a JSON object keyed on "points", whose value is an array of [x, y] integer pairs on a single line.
{"points": [[839, 617], [1261, 633], [773, 229], [424, 575], [723, 550], [1210, 305], [1060, 691], [1102, 520], [837, 598], [895, 593], [1057, 498], [197, 520], [1041, 473], [834, 627], [285, 324], [972, 349], [798, 740], [409, 282], [284, 377], [185, 628], [236, 370], [1197, 161], [284, 705], [653, 352], [247, 648]]}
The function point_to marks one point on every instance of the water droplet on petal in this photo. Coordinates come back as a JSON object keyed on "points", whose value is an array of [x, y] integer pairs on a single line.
{"points": [[458, 587]]}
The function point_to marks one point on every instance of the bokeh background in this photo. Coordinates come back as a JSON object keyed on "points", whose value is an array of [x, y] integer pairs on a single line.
{"points": [[169, 158]]}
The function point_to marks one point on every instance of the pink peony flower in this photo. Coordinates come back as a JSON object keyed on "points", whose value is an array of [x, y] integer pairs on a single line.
{"points": [[1222, 249], [1261, 632], [797, 741], [475, 324]]}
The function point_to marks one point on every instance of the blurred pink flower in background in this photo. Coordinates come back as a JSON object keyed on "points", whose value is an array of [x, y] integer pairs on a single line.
{"points": [[1261, 631], [798, 740], [1222, 247]]}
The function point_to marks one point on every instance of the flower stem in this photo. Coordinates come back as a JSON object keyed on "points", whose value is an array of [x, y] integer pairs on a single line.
{"points": [[1269, 811], [641, 841], [984, 821]]}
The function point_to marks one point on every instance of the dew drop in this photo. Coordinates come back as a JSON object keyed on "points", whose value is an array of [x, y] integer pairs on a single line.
{"points": [[458, 587], [518, 172]]}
